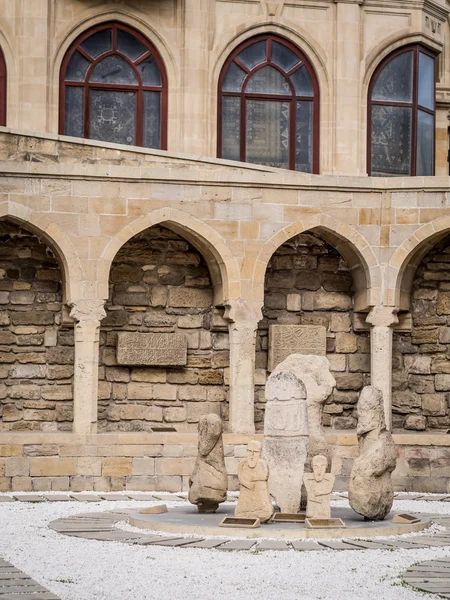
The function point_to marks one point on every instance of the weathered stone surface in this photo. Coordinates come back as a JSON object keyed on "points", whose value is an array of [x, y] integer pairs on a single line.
{"points": [[152, 349], [208, 482], [319, 485], [286, 434], [254, 498], [415, 422], [370, 491], [285, 340]]}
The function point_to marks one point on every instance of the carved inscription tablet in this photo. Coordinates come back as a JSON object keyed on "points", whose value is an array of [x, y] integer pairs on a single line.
{"points": [[151, 349], [285, 340]]}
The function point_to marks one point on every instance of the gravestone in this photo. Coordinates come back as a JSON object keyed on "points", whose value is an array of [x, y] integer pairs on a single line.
{"points": [[285, 437], [152, 349], [285, 340]]}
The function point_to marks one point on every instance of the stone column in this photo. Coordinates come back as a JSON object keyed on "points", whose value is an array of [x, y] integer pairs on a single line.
{"points": [[87, 314], [243, 323], [382, 318]]}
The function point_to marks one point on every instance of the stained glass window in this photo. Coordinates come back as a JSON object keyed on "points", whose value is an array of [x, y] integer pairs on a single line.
{"points": [[269, 106], [2, 89], [114, 88], [402, 114]]}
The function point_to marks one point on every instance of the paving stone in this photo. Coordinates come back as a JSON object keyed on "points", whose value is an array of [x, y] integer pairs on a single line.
{"points": [[337, 545], [9, 569], [19, 575], [169, 497], [156, 540], [7, 499], [435, 498], [273, 545], [38, 595], [20, 592], [208, 543], [58, 497], [238, 545], [306, 545], [29, 498], [105, 536], [143, 497], [5, 563], [180, 542], [430, 541], [369, 545], [86, 497], [114, 497], [402, 544]]}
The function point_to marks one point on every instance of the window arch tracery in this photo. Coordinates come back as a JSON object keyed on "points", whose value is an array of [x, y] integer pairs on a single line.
{"points": [[113, 88], [268, 109]]}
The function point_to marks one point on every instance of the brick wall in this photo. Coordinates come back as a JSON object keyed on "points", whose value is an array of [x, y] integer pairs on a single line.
{"points": [[309, 283], [160, 283], [36, 353], [421, 376]]}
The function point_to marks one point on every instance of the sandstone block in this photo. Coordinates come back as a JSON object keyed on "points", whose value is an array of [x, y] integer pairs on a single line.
{"points": [[210, 377], [175, 414], [340, 322], [443, 304], [11, 413], [415, 422], [25, 392], [442, 382], [28, 371], [57, 392], [440, 365], [17, 466], [345, 343], [164, 391], [425, 336], [117, 374], [22, 297], [349, 381], [143, 484], [52, 467], [50, 337], [174, 466], [190, 321], [434, 405], [359, 363], [337, 362], [116, 467], [149, 374], [192, 392], [190, 297], [418, 364], [143, 466], [140, 391], [294, 302], [404, 401], [331, 301], [89, 465]]}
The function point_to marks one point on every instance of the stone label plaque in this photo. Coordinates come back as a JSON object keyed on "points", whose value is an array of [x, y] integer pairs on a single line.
{"points": [[325, 524], [151, 349], [405, 518], [289, 517], [285, 340], [240, 522]]}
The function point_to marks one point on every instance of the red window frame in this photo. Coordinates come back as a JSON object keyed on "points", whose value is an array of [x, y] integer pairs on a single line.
{"points": [[315, 99], [2, 89], [140, 88], [414, 105]]}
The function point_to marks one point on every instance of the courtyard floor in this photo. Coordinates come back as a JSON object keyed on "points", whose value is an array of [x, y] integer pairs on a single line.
{"points": [[80, 569]]}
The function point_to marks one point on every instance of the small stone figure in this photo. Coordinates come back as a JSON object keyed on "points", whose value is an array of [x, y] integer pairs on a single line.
{"points": [[319, 485], [208, 483], [370, 491], [254, 498], [285, 437]]}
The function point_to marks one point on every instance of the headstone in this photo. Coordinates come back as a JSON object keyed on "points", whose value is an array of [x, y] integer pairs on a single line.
{"points": [[254, 498], [285, 437], [370, 491], [285, 340], [319, 485], [208, 484], [152, 349]]}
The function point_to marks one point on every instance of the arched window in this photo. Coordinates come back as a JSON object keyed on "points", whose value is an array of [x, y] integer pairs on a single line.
{"points": [[113, 88], [2, 89], [269, 106], [401, 117]]}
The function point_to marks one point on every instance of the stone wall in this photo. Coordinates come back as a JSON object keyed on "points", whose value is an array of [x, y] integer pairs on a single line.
{"points": [[308, 283], [421, 398], [160, 283], [36, 352]]}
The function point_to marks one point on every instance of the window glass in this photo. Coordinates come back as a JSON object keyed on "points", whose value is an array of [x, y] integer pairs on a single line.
{"points": [[113, 69], [302, 82], [152, 120], [283, 57], [391, 140], [149, 71], [394, 82], [426, 81], [98, 43], [267, 133], [304, 137], [425, 143], [231, 139], [268, 81], [129, 45], [233, 79], [77, 67], [74, 111], [113, 116], [253, 55]]}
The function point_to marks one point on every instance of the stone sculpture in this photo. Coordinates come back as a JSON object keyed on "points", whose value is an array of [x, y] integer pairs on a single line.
{"points": [[254, 498], [319, 485], [208, 483], [285, 437], [370, 491]]}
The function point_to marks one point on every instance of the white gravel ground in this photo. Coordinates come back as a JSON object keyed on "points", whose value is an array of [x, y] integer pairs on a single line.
{"points": [[78, 569]]}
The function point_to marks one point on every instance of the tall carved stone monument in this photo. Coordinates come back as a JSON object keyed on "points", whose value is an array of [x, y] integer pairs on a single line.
{"points": [[286, 435], [254, 498], [370, 491], [208, 483]]}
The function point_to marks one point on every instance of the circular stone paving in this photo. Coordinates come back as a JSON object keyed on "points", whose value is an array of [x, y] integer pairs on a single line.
{"points": [[430, 576], [185, 519]]}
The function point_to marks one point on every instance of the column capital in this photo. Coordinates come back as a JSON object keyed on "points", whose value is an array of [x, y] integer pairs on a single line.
{"points": [[382, 316], [241, 311], [88, 311]]}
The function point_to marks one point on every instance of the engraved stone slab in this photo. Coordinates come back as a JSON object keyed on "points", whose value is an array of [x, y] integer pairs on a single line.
{"points": [[285, 340], [324, 523], [151, 349]]}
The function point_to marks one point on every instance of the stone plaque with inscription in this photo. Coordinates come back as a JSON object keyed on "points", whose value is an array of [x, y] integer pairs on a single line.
{"points": [[285, 340], [152, 349]]}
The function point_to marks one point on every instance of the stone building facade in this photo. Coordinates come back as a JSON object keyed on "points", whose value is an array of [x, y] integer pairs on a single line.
{"points": [[100, 238]]}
